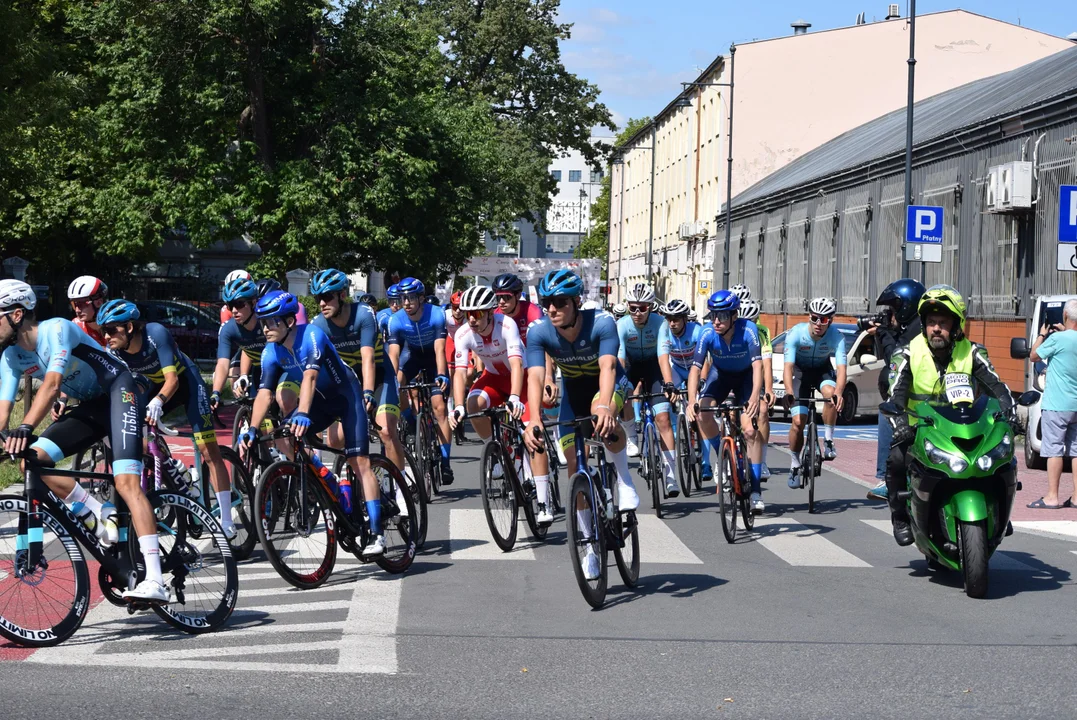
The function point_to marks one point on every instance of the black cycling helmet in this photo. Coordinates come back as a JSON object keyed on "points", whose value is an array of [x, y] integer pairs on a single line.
{"points": [[508, 283], [368, 299], [904, 296], [267, 284]]}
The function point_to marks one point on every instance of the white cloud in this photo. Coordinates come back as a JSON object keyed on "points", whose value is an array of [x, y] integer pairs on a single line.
{"points": [[609, 17]]}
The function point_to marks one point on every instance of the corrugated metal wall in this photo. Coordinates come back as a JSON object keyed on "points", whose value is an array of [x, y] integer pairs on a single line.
{"points": [[847, 244]]}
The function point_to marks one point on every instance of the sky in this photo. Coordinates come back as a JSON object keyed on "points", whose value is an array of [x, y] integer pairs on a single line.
{"points": [[639, 52]]}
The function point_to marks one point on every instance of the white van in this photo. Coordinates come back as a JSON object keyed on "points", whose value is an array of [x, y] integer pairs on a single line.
{"points": [[1048, 310]]}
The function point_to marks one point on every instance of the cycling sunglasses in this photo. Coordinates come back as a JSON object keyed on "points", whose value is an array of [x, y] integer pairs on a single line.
{"points": [[723, 317], [476, 314], [411, 298], [111, 330], [238, 305], [638, 309], [272, 322], [560, 302], [325, 297], [821, 319]]}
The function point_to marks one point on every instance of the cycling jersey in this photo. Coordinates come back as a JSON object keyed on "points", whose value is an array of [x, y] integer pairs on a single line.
{"points": [[62, 347], [526, 313], [232, 336], [737, 355], [807, 353], [640, 343], [681, 349], [418, 335], [495, 348], [360, 331], [97, 335], [383, 316], [766, 350]]}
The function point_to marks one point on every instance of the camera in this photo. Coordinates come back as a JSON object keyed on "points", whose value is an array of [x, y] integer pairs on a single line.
{"points": [[879, 319]]}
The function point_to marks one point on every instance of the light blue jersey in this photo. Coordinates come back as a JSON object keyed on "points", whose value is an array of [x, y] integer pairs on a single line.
{"points": [[807, 353], [640, 344]]}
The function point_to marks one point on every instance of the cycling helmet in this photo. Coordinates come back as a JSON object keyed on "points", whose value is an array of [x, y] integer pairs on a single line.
{"points": [[479, 297], [117, 312], [591, 305], [640, 293], [508, 283], [454, 299], [240, 289], [723, 301], [329, 281], [676, 307], [277, 303], [823, 306], [620, 310], [368, 299], [560, 282], [16, 293], [742, 291], [235, 275], [266, 285], [749, 310], [692, 316], [433, 300], [943, 298], [904, 296], [86, 286], [411, 286], [393, 293]]}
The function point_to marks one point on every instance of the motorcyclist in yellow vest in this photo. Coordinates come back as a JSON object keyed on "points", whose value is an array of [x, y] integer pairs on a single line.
{"points": [[940, 348]]}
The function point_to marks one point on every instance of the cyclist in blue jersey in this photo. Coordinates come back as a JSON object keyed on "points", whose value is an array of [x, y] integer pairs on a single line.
{"points": [[330, 391], [583, 344], [749, 310], [733, 346], [809, 348], [353, 329], [66, 359], [148, 349], [677, 345], [419, 327], [639, 334], [392, 295]]}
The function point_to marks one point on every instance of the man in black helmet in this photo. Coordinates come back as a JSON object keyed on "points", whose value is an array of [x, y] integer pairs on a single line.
{"points": [[900, 298]]}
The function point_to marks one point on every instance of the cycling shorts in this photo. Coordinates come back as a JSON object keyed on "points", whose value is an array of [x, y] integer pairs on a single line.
{"points": [[576, 400], [116, 414], [352, 415], [649, 373], [496, 389], [191, 395], [416, 364], [387, 396], [738, 383], [680, 377], [805, 383]]}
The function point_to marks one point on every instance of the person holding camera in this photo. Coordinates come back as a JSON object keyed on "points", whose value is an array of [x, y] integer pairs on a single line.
{"points": [[894, 328], [1057, 345]]}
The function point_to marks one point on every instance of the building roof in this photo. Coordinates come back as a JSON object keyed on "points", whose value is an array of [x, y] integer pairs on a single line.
{"points": [[938, 120]]}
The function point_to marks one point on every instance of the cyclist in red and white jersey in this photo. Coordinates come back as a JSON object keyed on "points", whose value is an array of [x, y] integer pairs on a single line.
{"points": [[87, 294], [508, 289]]}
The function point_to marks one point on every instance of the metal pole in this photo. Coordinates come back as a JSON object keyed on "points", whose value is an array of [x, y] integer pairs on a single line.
{"points": [[620, 228], [650, 232], [908, 135], [729, 174]]}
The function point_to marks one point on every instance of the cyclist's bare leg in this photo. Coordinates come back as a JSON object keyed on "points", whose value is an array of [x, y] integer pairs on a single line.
{"points": [[361, 467], [665, 430], [753, 437], [796, 432], [441, 415], [287, 400], [390, 439], [476, 404], [830, 412]]}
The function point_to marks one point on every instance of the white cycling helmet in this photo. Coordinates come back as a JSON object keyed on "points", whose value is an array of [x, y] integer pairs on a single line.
{"points": [[16, 293], [823, 306], [478, 297], [590, 305], [676, 307], [236, 275], [749, 310], [692, 316], [743, 292], [640, 293], [86, 286], [620, 310]]}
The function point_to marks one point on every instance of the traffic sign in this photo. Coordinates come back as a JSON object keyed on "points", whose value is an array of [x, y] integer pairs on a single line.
{"points": [[1067, 257], [704, 287], [1067, 215], [924, 224]]}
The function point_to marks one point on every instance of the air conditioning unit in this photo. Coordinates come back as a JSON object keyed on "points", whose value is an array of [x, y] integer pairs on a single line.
{"points": [[1014, 186], [685, 231], [992, 190], [700, 229], [893, 11]]}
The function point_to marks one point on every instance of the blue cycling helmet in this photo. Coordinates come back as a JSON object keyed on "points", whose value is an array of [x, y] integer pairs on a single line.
{"points": [[117, 311], [508, 283], [560, 282], [329, 281], [411, 286], [240, 289], [723, 301], [277, 303], [393, 293]]}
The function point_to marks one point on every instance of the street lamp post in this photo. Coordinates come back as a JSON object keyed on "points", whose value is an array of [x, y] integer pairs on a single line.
{"points": [[908, 137]]}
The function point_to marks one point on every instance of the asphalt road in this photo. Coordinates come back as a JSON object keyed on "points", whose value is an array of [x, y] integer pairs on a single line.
{"points": [[813, 616]]}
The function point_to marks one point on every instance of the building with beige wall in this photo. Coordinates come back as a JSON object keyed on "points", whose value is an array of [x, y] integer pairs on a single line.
{"points": [[791, 95]]}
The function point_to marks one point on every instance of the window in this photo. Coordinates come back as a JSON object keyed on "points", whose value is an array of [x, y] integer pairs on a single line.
{"points": [[574, 175], [556, 175], [596, 176]]}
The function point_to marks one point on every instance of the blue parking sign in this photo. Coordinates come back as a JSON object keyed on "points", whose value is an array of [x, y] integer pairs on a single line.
{"points": [[923, 224], [1067, 214]]}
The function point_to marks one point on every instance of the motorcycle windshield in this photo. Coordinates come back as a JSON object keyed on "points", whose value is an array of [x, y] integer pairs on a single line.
{"points": [[963, 414]]}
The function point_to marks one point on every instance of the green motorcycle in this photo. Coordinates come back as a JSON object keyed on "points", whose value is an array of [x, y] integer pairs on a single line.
{"points": [[962, 479]]}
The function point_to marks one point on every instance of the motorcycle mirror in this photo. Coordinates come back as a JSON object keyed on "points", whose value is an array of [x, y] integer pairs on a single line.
{"points": [[1030, 397], [889, 409]]}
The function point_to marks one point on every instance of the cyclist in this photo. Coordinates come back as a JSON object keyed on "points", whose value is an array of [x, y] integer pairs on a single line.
{"points": [[940, 350], [87, 294], [369, 300], [226, 313], [65, 358], [692, 316], [583, 344], [392, 295], [733, 346], [676, 351], [749, 310], [238, 336], [419, 327], [809, 346], [639, 334], [149, 349], [619, 310], [330, 391], [508, 289]]}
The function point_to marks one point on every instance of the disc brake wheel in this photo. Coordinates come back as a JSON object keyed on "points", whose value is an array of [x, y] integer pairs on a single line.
{"points": [[727, 497], [499, 500], [297, 533]]}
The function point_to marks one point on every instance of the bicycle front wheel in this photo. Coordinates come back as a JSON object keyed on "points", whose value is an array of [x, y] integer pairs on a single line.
{"points": [[297, 532], [809, 466], [627, 557], [685, 461], [656, 477], [44, 605], [586, 535], [413, 478], [727, 494], [240, 423], [399, 517], [429, 451], [242, 501], [498, 497]]}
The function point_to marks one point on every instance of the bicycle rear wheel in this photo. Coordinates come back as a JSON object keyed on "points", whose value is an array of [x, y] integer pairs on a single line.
{"points": [[95, 459], [399, 524], [47, 605], [242, 501], [297, 532], [809, 466], [627, 557], [498, 497], [198, 568], [727, 494], [745, 498], [240, 423], [686, 462], [586, 534], [656, 478], [699, 447], [414, 479], [430, 451]]}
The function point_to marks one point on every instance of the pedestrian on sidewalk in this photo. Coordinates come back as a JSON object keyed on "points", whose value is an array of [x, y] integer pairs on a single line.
{"points": [[1057, 346]]}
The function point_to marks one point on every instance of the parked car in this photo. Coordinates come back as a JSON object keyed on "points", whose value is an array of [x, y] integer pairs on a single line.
{"points": [[194, 325], [1047, 309], [862, 382]]}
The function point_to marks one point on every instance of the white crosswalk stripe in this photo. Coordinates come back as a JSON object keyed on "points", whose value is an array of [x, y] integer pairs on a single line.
{"points": [[470, 539], [799, 545], [659, 544]]}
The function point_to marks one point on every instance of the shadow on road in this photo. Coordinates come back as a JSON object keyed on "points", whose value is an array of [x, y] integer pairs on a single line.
{"points": [[1005, 582], [679, 585]]}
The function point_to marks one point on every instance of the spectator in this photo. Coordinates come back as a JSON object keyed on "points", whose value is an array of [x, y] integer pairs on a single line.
{"points": [[1057, 345]]}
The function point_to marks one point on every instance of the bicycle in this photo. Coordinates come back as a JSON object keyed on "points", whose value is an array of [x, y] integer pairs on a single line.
{"points": [[425, 442], [811, 457], [46, 577], [734, 484], [299, 516], [651, 465], [689, 449], [503, 496], [609, 529]]}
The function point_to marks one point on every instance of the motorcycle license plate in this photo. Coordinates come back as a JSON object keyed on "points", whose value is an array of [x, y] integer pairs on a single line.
{"points": [[958, 388]]}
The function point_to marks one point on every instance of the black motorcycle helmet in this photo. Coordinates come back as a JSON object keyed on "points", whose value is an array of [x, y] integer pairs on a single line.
{"points": [[904, 297], [267, 284], [508, 283]]}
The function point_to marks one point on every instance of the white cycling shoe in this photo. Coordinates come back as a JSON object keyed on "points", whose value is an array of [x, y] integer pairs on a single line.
{"points": [[375, 548], [627, 498], [107, 530], [147, 591], [230, 531], [672, 489], [543, 516], [592, 568], [633, 449]]}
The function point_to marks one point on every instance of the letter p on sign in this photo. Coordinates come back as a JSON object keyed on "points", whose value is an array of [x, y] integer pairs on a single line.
{"points": [[1067, 214], [925, 220]]}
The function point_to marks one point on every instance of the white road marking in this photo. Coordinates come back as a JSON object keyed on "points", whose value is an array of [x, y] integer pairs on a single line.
{"points": [[470, 539], [659, 544], [1001, 561], [801, 546], [369, 641]]}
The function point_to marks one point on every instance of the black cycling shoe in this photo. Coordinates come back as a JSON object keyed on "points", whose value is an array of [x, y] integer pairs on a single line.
{"points": [[902, 532], [446, 475]]}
